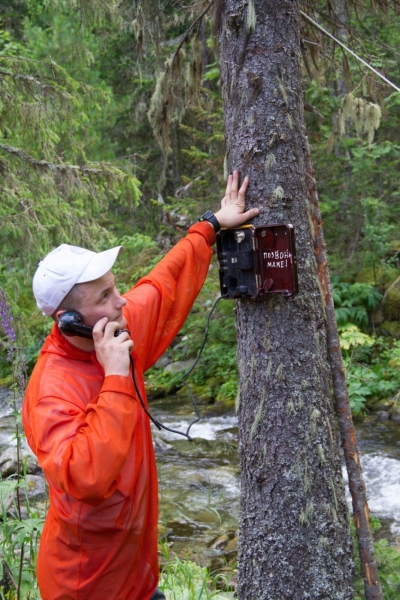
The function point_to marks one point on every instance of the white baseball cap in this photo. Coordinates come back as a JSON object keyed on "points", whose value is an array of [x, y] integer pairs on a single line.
{"points": [[65, 266]]}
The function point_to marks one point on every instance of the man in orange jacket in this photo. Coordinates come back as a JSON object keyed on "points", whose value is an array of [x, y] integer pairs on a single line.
{"points": [[82, 416]]}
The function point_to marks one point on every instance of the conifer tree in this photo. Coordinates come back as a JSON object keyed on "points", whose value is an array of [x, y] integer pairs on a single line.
{"points": [[294, 532]]}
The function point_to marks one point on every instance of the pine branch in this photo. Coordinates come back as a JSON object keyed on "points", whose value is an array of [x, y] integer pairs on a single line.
{"points": [[26, 78], [62, 168]]}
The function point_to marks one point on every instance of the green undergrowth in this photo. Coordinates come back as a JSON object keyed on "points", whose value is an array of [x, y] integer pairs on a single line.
{"points": [[372, 361], [185, 580], [388, 564], [182, 579], [19, 541], [216, 371]]}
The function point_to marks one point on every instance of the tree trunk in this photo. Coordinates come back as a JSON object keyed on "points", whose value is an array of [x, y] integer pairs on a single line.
{"points": [[294, 540]]}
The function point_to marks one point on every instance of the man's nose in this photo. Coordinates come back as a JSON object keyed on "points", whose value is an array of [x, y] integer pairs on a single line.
{"points": [[121, 301]]}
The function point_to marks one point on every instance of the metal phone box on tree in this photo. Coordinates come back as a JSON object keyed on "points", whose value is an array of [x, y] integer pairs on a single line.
{"points": [[254, 261]]}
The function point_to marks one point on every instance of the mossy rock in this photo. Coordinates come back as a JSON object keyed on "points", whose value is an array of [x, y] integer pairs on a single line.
{"points": [[215, 382], [390, 328], [391, 304], [367, 275], [203, 394], [388, 276], [379, 405], [154, 390], [382, 277], [378, 317], [223, 406]]}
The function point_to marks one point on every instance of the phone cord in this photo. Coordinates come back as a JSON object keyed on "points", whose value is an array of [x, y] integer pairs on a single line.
{"points": [[198, 416]]}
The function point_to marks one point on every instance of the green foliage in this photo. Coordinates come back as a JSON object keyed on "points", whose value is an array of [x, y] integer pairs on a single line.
{"points": [[140, 254], [19, 541], [359, 386], [55, 186], [19, 536], [89, 13], [354, 302], [185, 580], [356, 180], [386, 366], [388, 563], [228, 390], [351, 336], [373, 375], [353, 305]]}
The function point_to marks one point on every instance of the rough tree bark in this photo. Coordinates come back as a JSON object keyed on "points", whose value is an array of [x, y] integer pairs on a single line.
{"points": [[294, 540]]}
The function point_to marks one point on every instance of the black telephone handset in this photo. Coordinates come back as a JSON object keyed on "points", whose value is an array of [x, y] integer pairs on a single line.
{"points": [[71, 323]]}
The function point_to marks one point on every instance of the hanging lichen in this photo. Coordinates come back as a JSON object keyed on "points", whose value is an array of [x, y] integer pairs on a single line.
{"points": [[166, 104], [92, 12], [365, 115], [194, 72]]}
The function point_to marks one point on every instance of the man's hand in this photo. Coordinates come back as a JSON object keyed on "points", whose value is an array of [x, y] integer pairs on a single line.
{"points": [[113, 353], [233, 204]]}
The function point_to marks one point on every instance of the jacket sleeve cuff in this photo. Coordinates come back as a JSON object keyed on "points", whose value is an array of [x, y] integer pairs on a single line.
{"points": [[119, 384], [206, 230]]}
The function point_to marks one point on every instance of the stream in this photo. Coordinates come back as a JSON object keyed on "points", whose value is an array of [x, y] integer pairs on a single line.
{"points": [[199, 480]]}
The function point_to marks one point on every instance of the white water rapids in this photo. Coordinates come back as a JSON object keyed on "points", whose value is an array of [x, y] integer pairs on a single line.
{"points": [[381, 469]]}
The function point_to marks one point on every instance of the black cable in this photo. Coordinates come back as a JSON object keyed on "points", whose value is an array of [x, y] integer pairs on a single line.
{"points": [[152, 419], [193, 366]]}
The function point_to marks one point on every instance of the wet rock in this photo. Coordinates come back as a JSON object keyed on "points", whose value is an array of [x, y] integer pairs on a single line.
{"points": [[223, 558], [6, 396], [7, 427], [203, 394], [221, 407], [217, 563], [163, 362], [370, 419], [160, 444], [380, 405], [179, 366], [220, 543], [35, 486], [8, 462], [395, 412], [231, 548], [383, 415], [154, 390]]}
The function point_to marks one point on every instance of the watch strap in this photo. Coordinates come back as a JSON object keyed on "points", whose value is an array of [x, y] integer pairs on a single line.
{"points": [[211, 218]]}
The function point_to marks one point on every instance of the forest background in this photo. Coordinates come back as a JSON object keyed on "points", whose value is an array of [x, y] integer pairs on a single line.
{"points": [[80, 164], [83, 160]]}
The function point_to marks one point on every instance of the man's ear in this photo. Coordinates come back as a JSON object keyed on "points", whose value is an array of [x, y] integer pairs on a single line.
{"points": [[57, 315]]}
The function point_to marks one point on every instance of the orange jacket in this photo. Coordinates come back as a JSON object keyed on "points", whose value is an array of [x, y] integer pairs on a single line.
{"points": [[93, 441]]}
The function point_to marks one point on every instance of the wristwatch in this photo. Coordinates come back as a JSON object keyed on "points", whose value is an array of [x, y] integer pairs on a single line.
{"points": [[211, 218]]}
